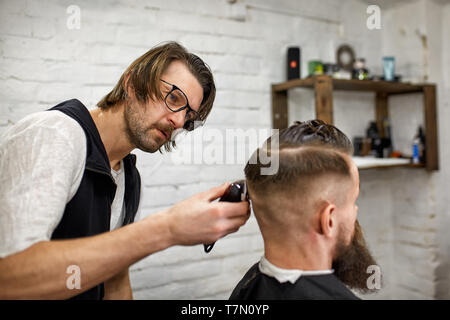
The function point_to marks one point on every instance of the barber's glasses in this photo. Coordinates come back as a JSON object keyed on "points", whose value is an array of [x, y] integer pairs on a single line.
{"points": [[176, 100]]}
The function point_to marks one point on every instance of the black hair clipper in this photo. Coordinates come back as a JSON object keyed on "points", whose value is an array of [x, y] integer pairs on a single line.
{"points": [[236, 192]]}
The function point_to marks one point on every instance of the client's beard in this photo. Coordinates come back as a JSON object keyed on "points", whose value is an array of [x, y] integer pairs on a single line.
{"points": [[351, 262]]}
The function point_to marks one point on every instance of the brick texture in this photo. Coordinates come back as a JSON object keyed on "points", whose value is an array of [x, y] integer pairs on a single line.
{"points": [[403, 212]]}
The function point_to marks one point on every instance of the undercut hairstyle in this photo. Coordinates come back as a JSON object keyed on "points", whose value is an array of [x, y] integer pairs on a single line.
{"points": [[145, 74], [315, 133], [306, 151]]}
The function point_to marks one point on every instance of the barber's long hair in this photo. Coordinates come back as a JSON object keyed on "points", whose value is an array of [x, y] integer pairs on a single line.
{"points": [[305, 150], [145, 74]]}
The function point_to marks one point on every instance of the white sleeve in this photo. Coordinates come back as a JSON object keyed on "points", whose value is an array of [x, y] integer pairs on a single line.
{"points": [[42, 160]]}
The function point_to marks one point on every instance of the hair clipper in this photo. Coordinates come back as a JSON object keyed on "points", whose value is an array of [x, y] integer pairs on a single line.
{"points": [[236, 192]]}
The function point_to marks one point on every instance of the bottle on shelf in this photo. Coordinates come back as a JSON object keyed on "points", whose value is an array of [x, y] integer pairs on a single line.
{"points": [[387, 140], [360, 71], [415, 153], [418, 155], [374, 136], [423, 144]]}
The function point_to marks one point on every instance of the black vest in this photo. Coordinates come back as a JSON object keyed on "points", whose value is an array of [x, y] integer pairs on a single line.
{"points": [[88, 213]]}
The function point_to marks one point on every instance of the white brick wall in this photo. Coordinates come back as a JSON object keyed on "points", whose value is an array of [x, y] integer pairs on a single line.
{"points": [[403, 212], [442, 183]]}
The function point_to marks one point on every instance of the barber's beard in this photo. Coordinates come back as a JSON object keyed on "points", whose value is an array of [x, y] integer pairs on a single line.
{"points": [[143, 136], [351, 262]]}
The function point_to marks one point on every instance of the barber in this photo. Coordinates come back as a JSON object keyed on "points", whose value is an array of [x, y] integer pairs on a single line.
{"points": [[70, 190]]}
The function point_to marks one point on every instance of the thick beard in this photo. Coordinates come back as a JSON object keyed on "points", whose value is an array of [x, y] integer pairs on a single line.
{"points": [[139, 135], [352, 261]]}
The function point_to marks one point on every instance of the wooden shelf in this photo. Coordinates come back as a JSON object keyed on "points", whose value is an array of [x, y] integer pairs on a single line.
{"points": [[364, 163], [416, 166], [353, 85], [324, 86]]}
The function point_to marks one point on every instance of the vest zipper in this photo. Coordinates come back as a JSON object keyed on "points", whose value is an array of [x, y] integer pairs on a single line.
{"points": [[104, 173]]}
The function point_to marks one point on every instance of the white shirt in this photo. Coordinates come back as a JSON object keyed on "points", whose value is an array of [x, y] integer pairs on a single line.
{"points": [[42, 160], [118, 205], [285, 275]]}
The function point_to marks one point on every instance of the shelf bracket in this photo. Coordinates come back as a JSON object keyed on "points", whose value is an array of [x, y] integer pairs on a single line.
{"points": [[323, 89], [431, 143], [381, 111], [279, 109]]}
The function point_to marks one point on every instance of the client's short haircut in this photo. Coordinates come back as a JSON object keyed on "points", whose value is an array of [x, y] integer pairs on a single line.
{"points": [[306, 149], [310, 155]]}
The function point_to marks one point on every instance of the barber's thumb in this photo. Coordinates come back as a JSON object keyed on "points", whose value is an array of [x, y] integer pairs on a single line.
{"points": [[217, 192]]}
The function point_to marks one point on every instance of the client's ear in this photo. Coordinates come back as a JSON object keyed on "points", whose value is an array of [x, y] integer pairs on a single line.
{"points": [[327, 219]]}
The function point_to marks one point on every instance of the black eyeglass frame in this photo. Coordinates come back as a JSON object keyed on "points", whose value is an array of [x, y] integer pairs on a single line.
{"points": [[188, 124]]}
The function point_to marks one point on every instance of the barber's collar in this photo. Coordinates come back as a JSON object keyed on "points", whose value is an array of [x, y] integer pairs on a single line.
{"points": [[284, 275]]}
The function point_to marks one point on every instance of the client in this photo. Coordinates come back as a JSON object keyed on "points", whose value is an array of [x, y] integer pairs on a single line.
{"points": [[307, 214]]}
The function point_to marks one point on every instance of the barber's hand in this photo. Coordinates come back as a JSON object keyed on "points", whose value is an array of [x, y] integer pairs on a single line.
{"points": [[198, 219]]}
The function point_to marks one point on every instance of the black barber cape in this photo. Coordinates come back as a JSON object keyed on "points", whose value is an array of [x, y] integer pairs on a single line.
{"points": [[257, 286]]}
